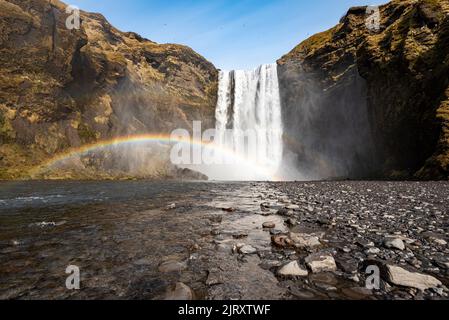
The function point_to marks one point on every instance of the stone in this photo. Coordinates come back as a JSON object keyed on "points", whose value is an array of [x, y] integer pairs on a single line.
{"points": [[283, 212], [292, 269], [321, 263], [275, 232], [304, 240], [179, 292], [401, 277], [172, 266], [171, 206], [281, 241], [293, 207], [372, 251], [229, 209], [269, 225], [394, 243], [247, 249], [441, 242]]}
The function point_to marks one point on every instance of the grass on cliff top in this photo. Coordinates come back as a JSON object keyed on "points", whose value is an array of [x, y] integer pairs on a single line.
{"points": [[313, 43]]}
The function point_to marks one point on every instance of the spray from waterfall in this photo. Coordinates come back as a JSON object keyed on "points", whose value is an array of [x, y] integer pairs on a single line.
{"points": [[248, 122]]}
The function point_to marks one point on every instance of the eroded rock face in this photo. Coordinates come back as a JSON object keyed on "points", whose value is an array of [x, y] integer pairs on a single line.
{"points": [[63, 88], [359, 103]]}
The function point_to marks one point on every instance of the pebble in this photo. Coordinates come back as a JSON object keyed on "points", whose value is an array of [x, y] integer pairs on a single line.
{"points": [[292, 269], [394, 243], [247, 249], [269, 225], [321, 263], [281, 241], [171, 206], [440, 241], [372, 251]]}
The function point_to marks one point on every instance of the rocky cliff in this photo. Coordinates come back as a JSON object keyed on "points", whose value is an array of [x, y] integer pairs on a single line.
{"points": [[62, 88], [372, 103]]}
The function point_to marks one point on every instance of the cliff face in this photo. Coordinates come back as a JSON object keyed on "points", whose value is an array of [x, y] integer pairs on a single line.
{"points": [[380, 98], [63, 88]]}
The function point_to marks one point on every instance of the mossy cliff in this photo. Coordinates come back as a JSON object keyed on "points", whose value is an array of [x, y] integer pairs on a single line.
{"points": [[356, 102], [62, 88], [392, 82]]}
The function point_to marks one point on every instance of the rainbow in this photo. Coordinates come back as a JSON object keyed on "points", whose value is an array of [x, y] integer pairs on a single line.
{"points": [[145, 138]]}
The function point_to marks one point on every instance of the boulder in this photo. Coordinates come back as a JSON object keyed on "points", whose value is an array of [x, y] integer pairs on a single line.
{"points": [[401, 277]]}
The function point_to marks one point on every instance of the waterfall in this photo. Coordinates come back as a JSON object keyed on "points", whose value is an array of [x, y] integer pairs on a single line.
{"points": [[248, 120]]}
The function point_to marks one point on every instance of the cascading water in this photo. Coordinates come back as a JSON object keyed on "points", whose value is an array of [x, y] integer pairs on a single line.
{"points": [[249, 123]]}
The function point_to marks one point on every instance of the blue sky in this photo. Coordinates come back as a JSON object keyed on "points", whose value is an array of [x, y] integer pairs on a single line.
{"points": [[232, 34]]}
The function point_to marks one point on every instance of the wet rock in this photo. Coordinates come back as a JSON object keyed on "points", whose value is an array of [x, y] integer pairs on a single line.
{"points": [[284, 212], [347, 264], [172, 266], [180, 292], [268, 264], [247, 249], [275, 232], [394, 243], [401, 277], [269, 225], [292, 269], [291, 222], [321, 263], [229, 209], [304, 240], [281, 241]]}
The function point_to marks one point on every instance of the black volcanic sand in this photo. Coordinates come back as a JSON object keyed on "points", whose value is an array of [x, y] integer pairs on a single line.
{"points": [[136, 240]]}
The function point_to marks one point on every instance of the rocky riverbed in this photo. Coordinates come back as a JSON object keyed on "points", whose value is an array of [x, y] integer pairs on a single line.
{"points": [[149, 240]]}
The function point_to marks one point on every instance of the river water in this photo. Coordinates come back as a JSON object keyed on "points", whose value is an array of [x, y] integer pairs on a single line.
{"points": [[118, 234]]}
